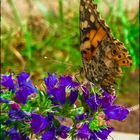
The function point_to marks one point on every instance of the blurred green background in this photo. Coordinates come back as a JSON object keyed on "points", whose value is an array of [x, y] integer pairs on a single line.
{"points": [[41, 36]]}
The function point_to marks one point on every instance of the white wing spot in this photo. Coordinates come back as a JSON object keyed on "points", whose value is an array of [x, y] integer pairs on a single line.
{"points": [[92, 19]]}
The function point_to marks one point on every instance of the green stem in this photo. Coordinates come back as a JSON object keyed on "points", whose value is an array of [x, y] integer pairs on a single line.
{"points": [[61, 15]]}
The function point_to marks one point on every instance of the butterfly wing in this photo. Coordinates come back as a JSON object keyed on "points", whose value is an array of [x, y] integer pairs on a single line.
{"points": [[102, 54], [91, 31]]}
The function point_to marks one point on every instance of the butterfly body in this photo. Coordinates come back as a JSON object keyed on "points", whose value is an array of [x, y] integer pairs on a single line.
{"points": [[102, 54]]}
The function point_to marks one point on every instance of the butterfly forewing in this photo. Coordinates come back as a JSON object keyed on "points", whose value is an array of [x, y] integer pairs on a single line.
{"points": [[102, 54]]}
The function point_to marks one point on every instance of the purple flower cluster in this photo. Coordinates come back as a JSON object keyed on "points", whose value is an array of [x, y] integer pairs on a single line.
{"points": [[22, 86], [90, 120], [99, 104], [40, 123], [105, 103], [85, 132], [15, 135], [57, 88]]}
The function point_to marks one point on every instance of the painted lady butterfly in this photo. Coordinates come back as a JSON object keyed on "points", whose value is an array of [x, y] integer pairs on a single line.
{"points": [[102, 54]]}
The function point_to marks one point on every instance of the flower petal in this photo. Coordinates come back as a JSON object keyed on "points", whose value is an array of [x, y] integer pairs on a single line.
{"points": [[67, 81], [116, 112], [22, 78], [38, 123], [14, 134], [17, 114], [49, 135], [63, 130], [80, 117], [73, 96], [50, 81], [59, 94], [14, 105], [84, 131], [7, 81], [103, 133], [93, 102], [93, 137], [107, 99], [23, 93]]}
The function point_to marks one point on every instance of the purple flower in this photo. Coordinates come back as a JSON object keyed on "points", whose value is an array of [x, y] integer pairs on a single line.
{"points": [[23, 93], [93, 136], [26, 87], [67, 81], [80, 117], [59, 94], [93, 102], [14, 134], [7, 81], [50, 118], [84, 131], [14, 105], [17, 114], [73, 96], [29, 85], [107, 100], [103, 133], [50, 81], [62, 131], [49, 135], [116, 112], [57, 88], [23, 78], [38, 123]]}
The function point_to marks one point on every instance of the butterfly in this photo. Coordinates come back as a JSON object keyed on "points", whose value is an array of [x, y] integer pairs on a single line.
{"points": [[102, 54]]}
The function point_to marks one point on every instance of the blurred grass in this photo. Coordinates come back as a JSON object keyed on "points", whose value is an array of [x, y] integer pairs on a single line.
{"points": [[49, 41]]}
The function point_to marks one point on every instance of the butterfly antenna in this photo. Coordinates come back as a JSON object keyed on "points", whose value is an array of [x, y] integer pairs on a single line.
{"points": [[60, 62], [57, 61]]}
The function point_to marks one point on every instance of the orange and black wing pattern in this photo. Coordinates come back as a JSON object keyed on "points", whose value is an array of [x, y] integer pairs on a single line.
{"points": [[102, 54]]}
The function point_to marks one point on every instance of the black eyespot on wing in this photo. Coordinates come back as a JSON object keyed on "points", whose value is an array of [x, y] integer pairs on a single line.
{"points": [[123, 62], [119, 56]]}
